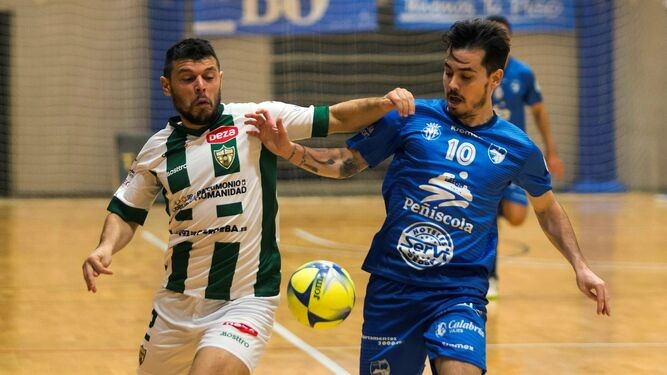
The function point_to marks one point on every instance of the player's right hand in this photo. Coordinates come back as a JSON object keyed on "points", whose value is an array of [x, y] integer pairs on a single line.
{"points": [[97, 263]]}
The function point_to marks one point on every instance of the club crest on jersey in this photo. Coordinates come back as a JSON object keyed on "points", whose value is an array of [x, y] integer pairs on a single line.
{"points": [[222, 134], [515, 86], [225, 156], [496, 154], [431, 131], [380, 367], [425, 245]]}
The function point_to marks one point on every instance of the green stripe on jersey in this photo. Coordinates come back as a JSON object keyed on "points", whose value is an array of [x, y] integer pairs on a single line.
{"points": [[223, 265], [184, 215], [268, 274], [127, 213], [229, 209], [224, 120], [180, 257], [177, 168], [321, 121]]}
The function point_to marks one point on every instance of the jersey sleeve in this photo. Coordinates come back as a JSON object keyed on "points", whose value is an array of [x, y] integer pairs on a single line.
{"points": [[378, 141], [534, 176], [533, 93], [300, 122], [136, 194]]}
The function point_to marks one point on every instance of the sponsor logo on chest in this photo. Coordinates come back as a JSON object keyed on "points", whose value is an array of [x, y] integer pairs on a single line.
{"points": [[222, 134]]}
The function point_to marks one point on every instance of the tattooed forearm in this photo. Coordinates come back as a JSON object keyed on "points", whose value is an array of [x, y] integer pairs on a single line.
{"points": [[328, 162]]}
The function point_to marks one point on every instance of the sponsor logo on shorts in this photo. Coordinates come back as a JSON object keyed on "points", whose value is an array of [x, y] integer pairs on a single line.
{"points": [[380, 367], [382, 340], [222, 135], [242, 328], [467, 347], [236, 338], [457, 326], [425, 245]]}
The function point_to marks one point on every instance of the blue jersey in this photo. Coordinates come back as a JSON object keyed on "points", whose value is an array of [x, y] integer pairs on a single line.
{"points": [[441, 193], [518, 88]]}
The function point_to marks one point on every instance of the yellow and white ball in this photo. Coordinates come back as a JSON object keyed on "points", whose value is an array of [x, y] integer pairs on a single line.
{"points": [[320, 294]]}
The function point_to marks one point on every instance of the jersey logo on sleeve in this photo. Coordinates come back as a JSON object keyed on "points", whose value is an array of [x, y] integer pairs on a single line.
{"points": [[222, 134]]}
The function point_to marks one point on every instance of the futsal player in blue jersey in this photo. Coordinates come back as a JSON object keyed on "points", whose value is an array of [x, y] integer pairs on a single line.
{"points": [[518, 89], [430, 261]]}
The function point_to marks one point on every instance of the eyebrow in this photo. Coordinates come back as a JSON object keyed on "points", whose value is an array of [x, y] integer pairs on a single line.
{"points": [[188, 69], [466, 69]]}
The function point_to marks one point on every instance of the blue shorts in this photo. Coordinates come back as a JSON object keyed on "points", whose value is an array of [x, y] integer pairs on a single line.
{"points": [[403, 324], [514, 193]]}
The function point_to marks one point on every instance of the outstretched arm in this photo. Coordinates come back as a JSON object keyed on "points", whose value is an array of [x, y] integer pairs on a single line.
{"points": [[353, 115], [116, 233], [557, 227], [327, 162], [554, 162]]}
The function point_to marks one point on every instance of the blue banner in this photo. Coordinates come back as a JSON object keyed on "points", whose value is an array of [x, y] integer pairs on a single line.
{"points": [[233, 17], [523, 15]]}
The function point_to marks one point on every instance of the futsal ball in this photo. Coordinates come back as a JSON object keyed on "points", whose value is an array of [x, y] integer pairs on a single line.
{"points": [[320, 294]]}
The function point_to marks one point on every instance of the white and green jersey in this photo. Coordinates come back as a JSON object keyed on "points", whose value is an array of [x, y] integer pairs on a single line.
{"points": [[220, 189]]}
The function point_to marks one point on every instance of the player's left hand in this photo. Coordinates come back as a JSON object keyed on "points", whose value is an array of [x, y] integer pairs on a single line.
{"points": [[401, 100], [595, 288]]}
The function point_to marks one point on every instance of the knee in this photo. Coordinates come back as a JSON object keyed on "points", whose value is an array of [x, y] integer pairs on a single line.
{"points": [[515, 214]]}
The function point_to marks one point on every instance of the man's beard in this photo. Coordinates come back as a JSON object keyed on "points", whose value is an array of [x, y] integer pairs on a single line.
{"points": [[203, 117], [473, 111]]}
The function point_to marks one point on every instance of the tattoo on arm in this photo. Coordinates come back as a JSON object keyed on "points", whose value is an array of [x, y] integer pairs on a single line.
{"points": [[335, 163]]}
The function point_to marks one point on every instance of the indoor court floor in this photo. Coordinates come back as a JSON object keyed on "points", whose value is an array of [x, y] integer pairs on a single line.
{"points": [[541, 323]]}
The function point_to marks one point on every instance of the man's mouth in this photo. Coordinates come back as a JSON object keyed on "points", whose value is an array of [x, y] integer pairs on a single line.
{"points": [[454, 99]]}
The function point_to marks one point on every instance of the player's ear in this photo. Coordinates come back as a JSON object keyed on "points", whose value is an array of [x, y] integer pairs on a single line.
{"points": [[496, 77], [166, 86]]}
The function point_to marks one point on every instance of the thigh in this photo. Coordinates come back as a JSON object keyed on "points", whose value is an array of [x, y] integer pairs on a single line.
{"points": [[458, 334], [170, 342], [392, 334], [241, 328]]}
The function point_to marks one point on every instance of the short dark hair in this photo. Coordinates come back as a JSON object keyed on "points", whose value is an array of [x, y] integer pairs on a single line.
{"points": [[500, 19], [188, 49], [480, 34]]}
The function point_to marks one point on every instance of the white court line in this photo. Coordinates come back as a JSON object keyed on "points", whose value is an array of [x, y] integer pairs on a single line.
{"points": [[560, 263], [277, 327], [317, 355], [304, 234]]}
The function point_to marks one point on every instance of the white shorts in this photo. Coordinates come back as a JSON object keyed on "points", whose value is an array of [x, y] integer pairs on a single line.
{"points": [[181, 325]]}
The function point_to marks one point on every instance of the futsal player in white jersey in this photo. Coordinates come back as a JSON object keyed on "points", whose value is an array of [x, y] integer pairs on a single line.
{"points": [[429, 263], [215, 310]]}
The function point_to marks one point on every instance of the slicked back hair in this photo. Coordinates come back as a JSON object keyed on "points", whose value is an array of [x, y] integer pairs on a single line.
{"points": [[480, 34], [500, 19], [188, 49]]}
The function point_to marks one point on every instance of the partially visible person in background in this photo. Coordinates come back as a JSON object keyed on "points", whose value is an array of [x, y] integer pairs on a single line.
{"points": [[518, 89]]}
